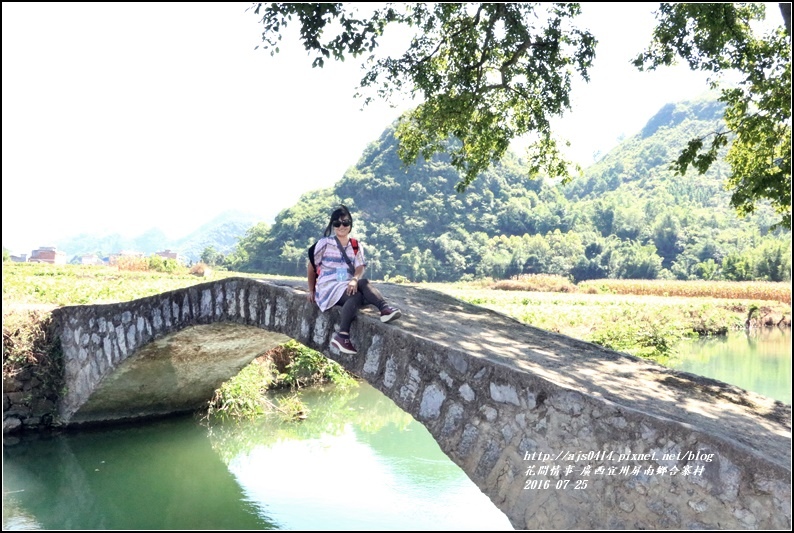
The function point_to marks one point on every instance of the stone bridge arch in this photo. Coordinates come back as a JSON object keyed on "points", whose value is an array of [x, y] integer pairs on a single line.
{"points": [[524, 412]]}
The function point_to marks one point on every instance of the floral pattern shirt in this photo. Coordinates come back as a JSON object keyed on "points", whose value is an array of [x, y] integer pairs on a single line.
{"points": [[333, 274]]}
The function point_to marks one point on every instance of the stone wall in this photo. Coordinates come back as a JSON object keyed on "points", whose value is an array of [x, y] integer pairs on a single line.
{"points": [[26, 403]]}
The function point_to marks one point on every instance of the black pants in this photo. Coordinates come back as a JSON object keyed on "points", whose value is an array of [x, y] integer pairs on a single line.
{"points": [[366, 294]]}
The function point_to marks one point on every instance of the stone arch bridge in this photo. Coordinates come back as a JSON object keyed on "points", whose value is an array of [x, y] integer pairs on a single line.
{"points": [[559, 433]]}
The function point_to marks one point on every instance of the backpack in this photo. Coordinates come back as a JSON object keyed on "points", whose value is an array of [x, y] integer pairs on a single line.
{"points": [[310, 251]]}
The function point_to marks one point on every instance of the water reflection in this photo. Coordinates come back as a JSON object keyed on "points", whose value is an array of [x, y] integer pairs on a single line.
{"points": [[163, 475], [357, 462], [757, 360]]}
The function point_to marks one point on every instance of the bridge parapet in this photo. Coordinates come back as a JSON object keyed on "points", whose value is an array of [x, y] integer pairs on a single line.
{"points": [[524, 412]]}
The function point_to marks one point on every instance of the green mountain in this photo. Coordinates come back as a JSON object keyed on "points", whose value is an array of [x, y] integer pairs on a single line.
{"points": [[628, 216], [221, 233]]}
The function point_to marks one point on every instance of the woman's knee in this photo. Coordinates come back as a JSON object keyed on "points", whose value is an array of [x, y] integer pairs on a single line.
{"points": [[354, 301], [371, 294]]}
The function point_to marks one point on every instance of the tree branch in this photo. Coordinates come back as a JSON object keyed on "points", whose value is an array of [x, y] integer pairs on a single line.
{"points": [[785, 10]]}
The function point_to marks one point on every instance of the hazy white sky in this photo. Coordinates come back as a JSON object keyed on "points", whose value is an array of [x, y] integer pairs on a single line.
{"points": [[120, 117]]}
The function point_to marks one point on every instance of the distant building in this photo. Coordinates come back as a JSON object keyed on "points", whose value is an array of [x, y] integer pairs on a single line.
{"points": [[48, 254], [20, 258], [90, 259], [168, 254]]}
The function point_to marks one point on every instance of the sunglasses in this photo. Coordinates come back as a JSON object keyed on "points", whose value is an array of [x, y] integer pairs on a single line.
{"points": [[344, 223]]}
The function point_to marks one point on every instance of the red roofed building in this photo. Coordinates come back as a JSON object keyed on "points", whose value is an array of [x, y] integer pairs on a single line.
{"points": [[48, 254]]}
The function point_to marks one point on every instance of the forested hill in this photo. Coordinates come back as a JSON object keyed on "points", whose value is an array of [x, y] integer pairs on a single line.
{"points": [[640, 163], [629, 216]]}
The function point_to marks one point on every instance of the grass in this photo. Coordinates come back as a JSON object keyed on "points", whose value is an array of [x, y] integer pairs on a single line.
{"points": [[290, 366], [43, 285], [644, 318], [577, 315]]}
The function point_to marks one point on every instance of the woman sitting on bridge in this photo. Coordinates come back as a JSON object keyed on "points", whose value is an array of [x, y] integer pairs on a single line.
{"points": [[335, 270]]}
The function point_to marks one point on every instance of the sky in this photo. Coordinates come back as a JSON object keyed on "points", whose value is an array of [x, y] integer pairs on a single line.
{"points": [[122, 117]]}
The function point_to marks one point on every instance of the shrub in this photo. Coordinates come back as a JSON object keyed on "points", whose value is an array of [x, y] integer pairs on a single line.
{"points": [[134, 264], [201, 270], [291, 407], [161, 264], [243, 396], [309, 367], [536, 283], [292, 365], [643, 336]]}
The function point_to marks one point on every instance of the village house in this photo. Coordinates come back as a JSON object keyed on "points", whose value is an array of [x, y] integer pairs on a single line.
{"points": [[91, 259], [48, 254], [168, 254]]}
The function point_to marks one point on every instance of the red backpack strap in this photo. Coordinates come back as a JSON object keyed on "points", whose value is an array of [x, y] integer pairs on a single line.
{"points": [[354, 243]]}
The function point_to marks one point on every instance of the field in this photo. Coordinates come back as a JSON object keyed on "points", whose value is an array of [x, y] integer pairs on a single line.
{"points": [[41, 285]]}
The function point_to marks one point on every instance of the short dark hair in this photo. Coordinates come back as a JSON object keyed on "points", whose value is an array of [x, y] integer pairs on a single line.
{"points": [[310, 253], [338, 213]]}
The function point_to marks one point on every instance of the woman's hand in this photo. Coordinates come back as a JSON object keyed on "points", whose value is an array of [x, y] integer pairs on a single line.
{"points": [[352, 286], [310, 295]]}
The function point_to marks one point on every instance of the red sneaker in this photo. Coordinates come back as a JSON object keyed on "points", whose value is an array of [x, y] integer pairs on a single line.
{"points": [[389, 313], [343, 344]]}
